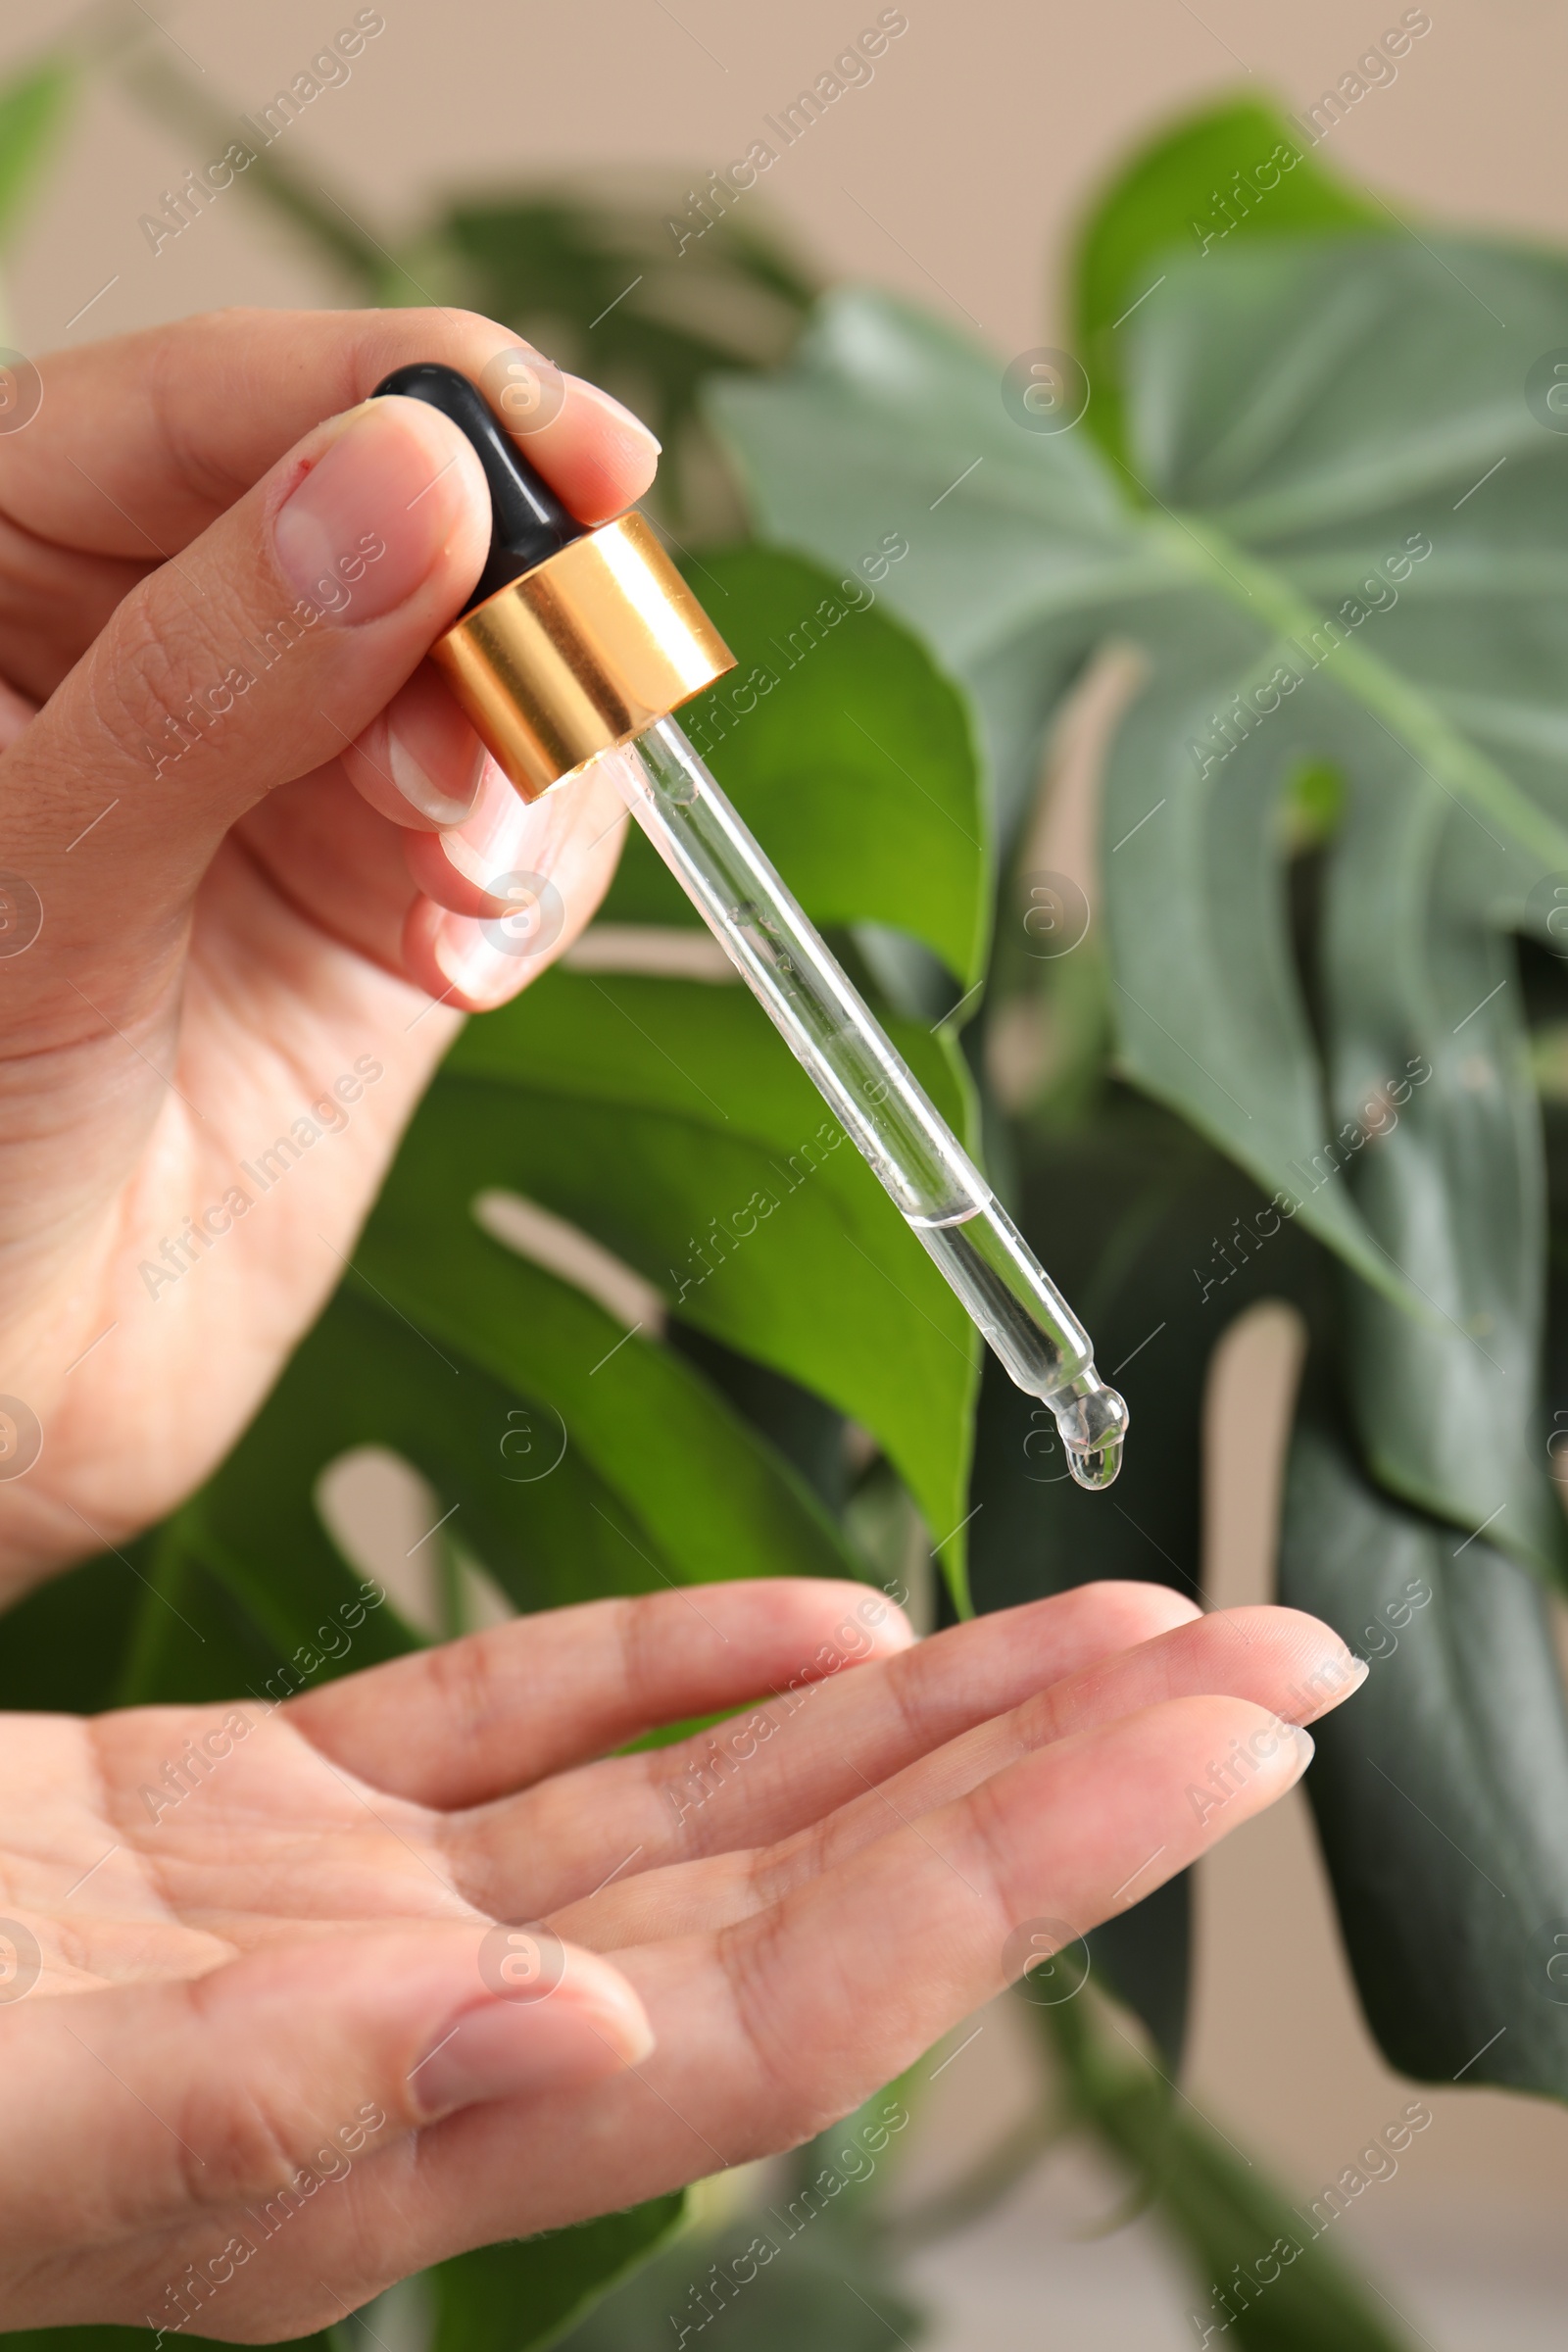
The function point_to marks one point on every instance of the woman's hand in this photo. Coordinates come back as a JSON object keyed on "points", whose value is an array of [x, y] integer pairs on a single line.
{"points": [[243, 844], [266, 2047]]}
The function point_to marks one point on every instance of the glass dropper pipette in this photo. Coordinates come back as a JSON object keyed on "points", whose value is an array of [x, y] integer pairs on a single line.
{"points": [[887, 1114], [576, 646]]}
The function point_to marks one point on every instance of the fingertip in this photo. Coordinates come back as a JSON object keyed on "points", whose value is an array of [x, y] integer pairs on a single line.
{"points": [[1272, 1751], [1324, 1669], [1166, 1608], [867, 1621], [477, 864], [451, 958], [1341, 1678], [625, 439], [1104, 1616], [611, 2004], [553, 2017], [894, 1632], [596, 454], [503, 895], [419, 762]]}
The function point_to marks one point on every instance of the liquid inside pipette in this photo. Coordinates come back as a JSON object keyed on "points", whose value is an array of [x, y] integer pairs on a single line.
{"points": [[1091, 1418]]}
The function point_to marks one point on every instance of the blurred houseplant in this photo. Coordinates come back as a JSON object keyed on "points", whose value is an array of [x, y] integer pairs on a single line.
{"points": [[1294, 1054]]}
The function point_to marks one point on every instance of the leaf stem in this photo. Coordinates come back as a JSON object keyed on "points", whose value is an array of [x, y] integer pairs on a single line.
{"points": [[1403, 710]]}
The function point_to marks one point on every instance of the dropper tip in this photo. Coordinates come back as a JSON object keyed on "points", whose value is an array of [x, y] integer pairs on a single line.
{"points": [[1093, 1421]]}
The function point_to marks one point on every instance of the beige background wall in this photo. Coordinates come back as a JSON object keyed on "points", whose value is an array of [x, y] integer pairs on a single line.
{"points": [[954, 175]]}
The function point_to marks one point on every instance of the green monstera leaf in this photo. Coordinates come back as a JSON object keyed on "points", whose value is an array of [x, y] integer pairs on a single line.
{"points": [[1440, 1793], [1236, 176], [1336, 802], [1322, 574]]}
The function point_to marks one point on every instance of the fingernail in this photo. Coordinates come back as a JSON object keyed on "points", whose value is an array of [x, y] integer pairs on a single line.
{"points": [[470, 962], [428, 752], [629, 427], [420, 784], [1305, 1749], [501, 2049], [493, 833], [367, 524], [1331, 1684]]}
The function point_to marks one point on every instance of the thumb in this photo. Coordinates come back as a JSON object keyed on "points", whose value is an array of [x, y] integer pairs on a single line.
{"points": [[250, 659], [157, 2101]]}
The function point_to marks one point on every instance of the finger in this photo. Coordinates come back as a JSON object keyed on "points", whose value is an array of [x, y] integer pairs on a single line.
{"points": [[458, 866], [162, 2102], [457, 1725], [769, 2031], [418, 762], [142, 442], [16, 710], [249, 662], [323, 847], [1278, 1659], [562, 849], [54, 600], [799, 1755]]}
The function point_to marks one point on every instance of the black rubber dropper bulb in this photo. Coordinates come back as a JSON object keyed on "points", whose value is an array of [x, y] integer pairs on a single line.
{"points": [[528, 521]]}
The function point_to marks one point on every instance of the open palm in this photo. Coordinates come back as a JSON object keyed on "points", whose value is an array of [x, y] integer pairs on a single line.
{"points": [[277, 2033]]}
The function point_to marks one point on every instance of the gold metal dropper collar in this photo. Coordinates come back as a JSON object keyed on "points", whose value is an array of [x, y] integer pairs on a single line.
{"points": [[582, 654]]}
